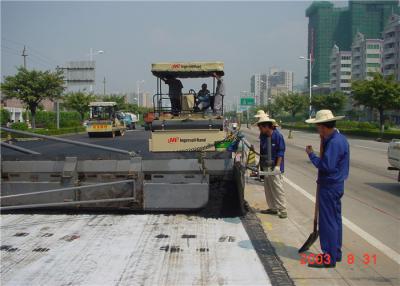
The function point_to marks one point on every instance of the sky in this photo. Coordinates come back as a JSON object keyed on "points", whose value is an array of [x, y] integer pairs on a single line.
{"points": [[249, 37]]}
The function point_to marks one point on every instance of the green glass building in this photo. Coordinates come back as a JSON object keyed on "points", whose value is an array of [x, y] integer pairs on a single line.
{"points": [[329, 25]]}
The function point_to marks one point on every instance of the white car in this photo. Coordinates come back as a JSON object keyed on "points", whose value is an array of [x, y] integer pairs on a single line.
{"points": [[394, 155]]}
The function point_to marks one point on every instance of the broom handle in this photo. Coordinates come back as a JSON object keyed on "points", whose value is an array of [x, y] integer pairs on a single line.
{"points": [[316, 210]]}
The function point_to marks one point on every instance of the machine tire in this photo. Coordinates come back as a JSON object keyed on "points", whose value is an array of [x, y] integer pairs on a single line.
{"points": [[90, 134], [133, 126]]}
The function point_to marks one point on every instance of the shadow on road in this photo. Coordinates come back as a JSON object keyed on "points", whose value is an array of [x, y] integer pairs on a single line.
{"points": [[392, 188]]}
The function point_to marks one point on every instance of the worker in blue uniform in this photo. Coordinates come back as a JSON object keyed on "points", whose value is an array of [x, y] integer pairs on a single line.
{"points": [[273, 184], [333, 170]]}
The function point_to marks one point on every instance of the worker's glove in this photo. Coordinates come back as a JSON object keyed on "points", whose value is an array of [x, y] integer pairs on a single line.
{"points": [[276, 170]]}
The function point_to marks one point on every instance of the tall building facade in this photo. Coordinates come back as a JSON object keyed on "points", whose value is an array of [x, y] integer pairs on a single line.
{"points": [[366, 57], [258, 87], [391, 47], [278, 82], [340, 70], [329, 25]]}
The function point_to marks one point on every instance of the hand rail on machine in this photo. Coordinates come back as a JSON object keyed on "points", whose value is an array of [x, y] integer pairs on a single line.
{"points": [[69, 141]]}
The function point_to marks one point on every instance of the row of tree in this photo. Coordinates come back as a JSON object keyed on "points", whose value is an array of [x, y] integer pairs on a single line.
{"points": [[31, 87], [381, 94]]}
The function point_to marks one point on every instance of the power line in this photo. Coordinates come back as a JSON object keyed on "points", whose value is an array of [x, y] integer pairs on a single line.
{"points": [[33, 58], [33, 51]]}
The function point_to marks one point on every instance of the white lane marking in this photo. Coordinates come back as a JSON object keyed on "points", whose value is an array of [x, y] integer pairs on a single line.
{"points": [[395, 256], [371, 148]]}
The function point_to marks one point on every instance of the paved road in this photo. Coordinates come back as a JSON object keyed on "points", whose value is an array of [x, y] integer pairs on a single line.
{"points": [[370, 207]]}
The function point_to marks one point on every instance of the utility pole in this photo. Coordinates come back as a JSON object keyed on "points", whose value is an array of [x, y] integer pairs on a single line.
{"points": [[57, 106], [24, 55], [104, 86]]}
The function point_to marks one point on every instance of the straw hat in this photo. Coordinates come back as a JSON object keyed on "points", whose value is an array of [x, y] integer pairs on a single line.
{"points": [[324, 115], [260, 113], [265, 118]]}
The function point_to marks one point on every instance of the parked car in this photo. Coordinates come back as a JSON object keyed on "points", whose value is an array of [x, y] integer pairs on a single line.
{"points": [[394, 156]]}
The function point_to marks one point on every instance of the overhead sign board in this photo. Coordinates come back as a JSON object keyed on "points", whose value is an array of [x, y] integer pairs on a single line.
{"points": [[80, 72], [247, 101]]}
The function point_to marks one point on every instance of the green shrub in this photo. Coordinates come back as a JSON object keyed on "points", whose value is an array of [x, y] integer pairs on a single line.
{"points": [[4, 116], [19, 126], [361, 132], [48, 119]]}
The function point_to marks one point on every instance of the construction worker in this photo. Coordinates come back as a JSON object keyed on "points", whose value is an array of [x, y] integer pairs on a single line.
{"points": [[219, 94], [174, 93], [333, 170], [262, 113], [273, 184]]}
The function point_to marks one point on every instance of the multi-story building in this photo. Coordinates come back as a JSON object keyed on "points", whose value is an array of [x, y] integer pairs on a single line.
{"points": [[366, 57], [258, 87], [340, 70], [391, 47], [329, 25], [278, 82]]}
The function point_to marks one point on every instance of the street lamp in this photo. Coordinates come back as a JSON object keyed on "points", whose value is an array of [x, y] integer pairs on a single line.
{"points": [[94, 53], [309, 60], [91, 54], [138, 83]]}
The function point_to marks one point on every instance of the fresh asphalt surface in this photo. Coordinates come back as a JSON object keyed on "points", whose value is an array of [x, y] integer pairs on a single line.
{"points": [[133, 140]]}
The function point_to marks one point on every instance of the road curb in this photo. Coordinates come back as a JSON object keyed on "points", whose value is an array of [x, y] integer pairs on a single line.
{"points": [[266, 252]]}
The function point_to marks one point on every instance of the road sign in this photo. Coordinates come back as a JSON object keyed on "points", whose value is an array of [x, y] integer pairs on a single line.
{"points": [[246, 101]]}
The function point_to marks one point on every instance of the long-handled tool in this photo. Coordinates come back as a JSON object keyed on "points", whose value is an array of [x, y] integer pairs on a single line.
{"points": [[314, 235]]}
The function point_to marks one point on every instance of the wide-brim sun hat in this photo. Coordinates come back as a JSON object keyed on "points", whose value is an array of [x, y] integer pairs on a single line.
{"points": [[322, 116], [265, 119], [260, 113]]}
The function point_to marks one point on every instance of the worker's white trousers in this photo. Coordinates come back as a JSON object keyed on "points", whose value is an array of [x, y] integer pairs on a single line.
{"points": [[218, 104], [274, 192]]}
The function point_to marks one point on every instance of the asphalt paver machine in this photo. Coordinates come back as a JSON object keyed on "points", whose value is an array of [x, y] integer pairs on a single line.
{"points": [[189, 166], [188, 128]]}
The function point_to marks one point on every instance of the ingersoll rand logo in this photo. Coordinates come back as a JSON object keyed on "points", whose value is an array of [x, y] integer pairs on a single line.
{"points": [[172, 140]]}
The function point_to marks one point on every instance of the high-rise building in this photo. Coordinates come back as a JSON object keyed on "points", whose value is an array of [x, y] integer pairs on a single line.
{"points": [[366, 57], [391, 47], [258, 87], [340, 70], [329, 25], [278, 82]]}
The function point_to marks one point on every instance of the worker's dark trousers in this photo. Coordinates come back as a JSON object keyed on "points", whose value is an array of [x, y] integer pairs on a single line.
{"points": [[176, 104], [330, 220]]}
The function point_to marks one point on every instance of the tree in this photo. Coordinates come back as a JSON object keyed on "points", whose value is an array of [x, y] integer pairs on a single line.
{"points": [[4, 116], [292, 103], [380, 93], [79, 101], [335, 102], [32, 86], [119, 99]]}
